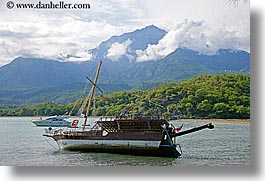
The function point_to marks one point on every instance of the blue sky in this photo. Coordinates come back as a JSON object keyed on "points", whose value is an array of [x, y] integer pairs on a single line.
{"points": [[202, 25]]}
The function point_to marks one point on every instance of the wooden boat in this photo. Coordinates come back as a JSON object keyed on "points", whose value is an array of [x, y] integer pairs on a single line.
{"points": [[138, 136]]}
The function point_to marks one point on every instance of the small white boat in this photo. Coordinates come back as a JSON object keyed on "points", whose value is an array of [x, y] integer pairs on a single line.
{"points": [[53, 121]]}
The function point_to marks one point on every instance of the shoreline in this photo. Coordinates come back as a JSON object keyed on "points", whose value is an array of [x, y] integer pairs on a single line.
{"points": [[228, 121]]}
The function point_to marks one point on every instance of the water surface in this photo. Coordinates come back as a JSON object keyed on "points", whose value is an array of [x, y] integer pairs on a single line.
{"points": [[22, 144]]}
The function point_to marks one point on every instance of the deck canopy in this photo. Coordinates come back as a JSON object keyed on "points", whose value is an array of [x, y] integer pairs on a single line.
{"points": [[127, 125]]}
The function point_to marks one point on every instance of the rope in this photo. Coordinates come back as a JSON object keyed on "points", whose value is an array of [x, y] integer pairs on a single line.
{"points": [[83, 104], [86, 85]]}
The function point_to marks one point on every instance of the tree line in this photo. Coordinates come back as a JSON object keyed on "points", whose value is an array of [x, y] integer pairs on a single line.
{"points": [[206, 96]]}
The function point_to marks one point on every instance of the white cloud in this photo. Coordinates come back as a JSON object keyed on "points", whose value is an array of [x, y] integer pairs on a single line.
{"points": [[195, 35], [62, 34], [117, 50], [36, 35], [169, 42]]}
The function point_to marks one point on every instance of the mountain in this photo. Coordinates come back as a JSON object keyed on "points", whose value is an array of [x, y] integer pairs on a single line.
{"points": [[185, 63], [33, 80], [136, 40], [35, 72]]}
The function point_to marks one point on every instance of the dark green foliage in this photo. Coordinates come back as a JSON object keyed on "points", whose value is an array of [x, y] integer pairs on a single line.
{"points": [[207, 96], [45, 108], [220, 96]]}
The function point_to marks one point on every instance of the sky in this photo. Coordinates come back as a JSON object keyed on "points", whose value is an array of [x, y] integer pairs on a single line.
{"points": [[201, 25]]}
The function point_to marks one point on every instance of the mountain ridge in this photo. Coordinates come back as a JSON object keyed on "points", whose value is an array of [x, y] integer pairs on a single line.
{"points": [[39, 75], [139, 38]]}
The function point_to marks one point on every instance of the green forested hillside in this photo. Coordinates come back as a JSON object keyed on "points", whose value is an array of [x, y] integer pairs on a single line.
{"points": [[207, 96], [22, 81]]}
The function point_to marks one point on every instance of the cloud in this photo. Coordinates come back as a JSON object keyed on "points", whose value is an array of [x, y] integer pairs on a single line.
{"points": [[117, 50], [116, 12], [196, 35], [66, 35], [172, 40], [37, 35]]}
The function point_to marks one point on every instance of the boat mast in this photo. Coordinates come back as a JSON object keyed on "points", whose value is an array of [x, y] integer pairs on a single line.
{"points": [[91, 95], [94, 107]]}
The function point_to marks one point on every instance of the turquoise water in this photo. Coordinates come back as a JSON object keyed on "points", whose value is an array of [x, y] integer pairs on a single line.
{"points": [[22, 144]]}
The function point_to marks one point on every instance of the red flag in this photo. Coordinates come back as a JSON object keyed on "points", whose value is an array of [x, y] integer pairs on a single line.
{"points": [[179, 128], [74, 123]]}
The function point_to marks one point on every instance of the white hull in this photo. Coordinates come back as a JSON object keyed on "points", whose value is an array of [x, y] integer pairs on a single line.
{"points": [[70, 143], [52, 124], [131, 147]]}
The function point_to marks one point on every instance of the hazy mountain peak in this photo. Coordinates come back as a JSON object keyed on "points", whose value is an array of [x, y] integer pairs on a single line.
{"points": [[128, 43]]}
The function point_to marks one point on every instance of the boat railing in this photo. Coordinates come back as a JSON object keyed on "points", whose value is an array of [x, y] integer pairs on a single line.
{"points": [[107, 118], [51, 131], [136, 118]]}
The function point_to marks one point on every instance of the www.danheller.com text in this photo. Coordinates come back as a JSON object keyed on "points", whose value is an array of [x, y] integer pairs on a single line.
{"points": [[47, 5]]}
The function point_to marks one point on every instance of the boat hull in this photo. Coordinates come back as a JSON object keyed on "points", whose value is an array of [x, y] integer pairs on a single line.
{"points": [[143, 144], [141, 148], [52, 124]]}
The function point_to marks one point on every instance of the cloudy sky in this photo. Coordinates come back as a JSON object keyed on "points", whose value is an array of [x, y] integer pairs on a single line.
{"points": [[202, 25]]}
